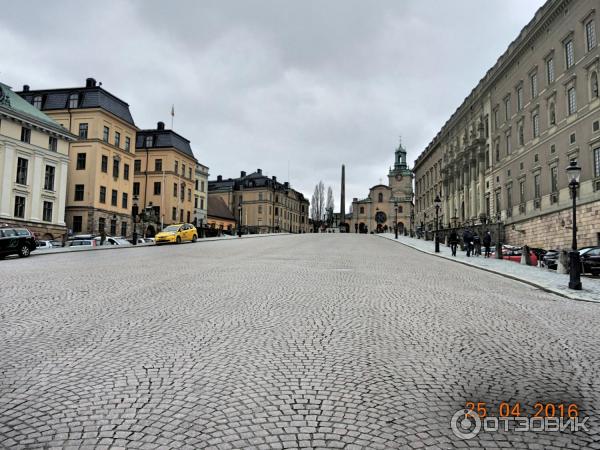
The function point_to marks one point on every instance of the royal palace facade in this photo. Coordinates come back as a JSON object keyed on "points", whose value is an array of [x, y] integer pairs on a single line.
{"points": [[501, 157]]}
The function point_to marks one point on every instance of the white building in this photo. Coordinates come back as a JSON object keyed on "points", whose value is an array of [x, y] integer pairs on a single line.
{"points": [[34, 157]]}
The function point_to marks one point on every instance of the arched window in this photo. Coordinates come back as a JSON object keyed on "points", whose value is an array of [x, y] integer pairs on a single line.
{"points": [[594, 85], [73, 100], [380, 197], [362, 209]]}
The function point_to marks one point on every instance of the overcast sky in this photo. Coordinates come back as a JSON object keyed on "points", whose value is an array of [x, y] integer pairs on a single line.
{"points": [[271, 84]]}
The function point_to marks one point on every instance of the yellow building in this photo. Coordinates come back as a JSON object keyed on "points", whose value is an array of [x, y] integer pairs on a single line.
{"points": [[34, 158], [165, 174], [100, 179], [261, 204], [201, 196]]}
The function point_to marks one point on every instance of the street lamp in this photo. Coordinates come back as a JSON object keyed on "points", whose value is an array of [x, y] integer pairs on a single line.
{"points": [[396, 223], [239, 233], [574, 172], [437, 202]]}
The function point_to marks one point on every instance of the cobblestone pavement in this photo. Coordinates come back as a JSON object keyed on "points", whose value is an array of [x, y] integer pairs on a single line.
{"points": [[332, 341]]}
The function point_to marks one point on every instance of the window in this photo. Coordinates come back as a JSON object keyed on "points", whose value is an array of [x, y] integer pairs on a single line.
{"points": [[127, 143], [136, 188], [497, 151], [190, 172], [157, 187], [554, 179], [81, 157], [536, 124], [83, 130], [495, 118], [183, 169], [104, 164], [149, 141], [521, 135], [101, 224], [102, 194], [507, 108], [536, 186], [158, 165], [202, 186], [49, 178], [117, 139], [508, 145], [597, 162], [52, 143], [202, 205], [113, 227], [47, 212], [522, 191], [25, 135], [73, 100], [362, 210], [22, 165], [126, 171], [123, 229], [77, 224], [519, 98], [105, 134], [260, 209], [189, 195], [79, 191], [534, 85], [114, 197], [550, 70], [181, 215], [594, 85], [552, 114], [569, 54], [19, 206], [176, 170], [174, 214], [37, 102], [174, 189], [137, 166], [188, 216], [380, 197], [124, 199], [509, 197], [590, 35], [498, 197], [115, 168], [182, 195], [572, 101]]}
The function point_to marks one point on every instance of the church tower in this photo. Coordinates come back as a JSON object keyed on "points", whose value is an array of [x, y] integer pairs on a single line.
{"points": [[400, 176]]}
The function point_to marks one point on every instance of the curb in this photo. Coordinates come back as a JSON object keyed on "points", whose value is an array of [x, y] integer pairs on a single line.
{"points": [[124, 247], [506, 275]]}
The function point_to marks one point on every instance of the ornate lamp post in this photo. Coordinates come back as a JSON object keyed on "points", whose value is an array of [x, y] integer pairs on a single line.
{"points": [[573, 172], [134, 213], [239, 233], [396, 223], [437, 202]]}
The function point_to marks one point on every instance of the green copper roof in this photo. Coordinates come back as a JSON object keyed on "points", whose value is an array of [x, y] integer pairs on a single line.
{"points": [[12, 101]]}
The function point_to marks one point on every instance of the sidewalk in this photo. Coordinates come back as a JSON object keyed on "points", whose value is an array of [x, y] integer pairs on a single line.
{"points": [[545, 279]]}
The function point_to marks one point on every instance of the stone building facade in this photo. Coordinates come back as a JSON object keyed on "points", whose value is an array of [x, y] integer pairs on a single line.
{"points": [[261, 204], [377, 212], [501, 157], [201, 196]]}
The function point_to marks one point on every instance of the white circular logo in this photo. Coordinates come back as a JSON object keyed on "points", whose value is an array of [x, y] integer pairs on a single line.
{"points": [[465, 424]]}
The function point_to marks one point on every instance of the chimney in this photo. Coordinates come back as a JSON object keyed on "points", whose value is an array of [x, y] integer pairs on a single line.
{"points": [[242, 174], [25, 88], [160, 126], [274, 178], [355, 199], [286, 185], [90, 82], [259, 171], [219, 177]]}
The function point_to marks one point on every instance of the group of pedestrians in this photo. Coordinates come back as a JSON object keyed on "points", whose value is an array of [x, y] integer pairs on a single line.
{"points": [[472, 242]]}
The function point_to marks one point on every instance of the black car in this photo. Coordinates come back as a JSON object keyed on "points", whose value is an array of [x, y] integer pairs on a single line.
{"points": [[16, 241], [550, 259], [590, 261]]}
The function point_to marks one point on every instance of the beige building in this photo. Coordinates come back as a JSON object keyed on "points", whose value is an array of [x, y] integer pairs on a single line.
{"points": [[386, 204], [201, 195], [100, 179], [261, 204], [34, 161], [502, 155], [165, 174]]}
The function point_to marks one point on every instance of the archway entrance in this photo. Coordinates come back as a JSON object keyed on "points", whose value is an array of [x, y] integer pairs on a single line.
{"points": [[400, 228]]}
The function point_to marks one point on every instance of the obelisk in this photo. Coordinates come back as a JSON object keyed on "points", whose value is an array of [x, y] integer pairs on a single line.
{"points": [[343, 198]]}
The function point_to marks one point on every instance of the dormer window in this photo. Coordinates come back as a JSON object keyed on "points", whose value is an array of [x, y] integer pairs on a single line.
{"points": [[73, 100], [37, 102], [149, 141]]}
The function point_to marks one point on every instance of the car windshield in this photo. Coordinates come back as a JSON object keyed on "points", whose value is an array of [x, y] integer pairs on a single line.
{"points": [[172, 228]]}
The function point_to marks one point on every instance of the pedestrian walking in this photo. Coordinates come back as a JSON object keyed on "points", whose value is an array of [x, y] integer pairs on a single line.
{"points": [[477, 245], [487, 243], [468, 241], [453, 241]]}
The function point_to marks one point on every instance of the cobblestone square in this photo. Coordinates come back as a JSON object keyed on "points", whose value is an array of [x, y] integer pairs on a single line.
{"points": [[304, 341]]}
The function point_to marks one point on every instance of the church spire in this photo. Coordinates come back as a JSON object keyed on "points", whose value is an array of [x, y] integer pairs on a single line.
{"points": [[400, 162]]}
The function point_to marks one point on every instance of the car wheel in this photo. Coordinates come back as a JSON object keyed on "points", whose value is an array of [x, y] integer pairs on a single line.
{"points": [[24, 251], [178, 240], [194, 238]]}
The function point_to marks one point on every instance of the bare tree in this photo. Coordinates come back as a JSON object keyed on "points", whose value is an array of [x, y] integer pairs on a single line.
{"points": [[317, 206], [329, 206]]}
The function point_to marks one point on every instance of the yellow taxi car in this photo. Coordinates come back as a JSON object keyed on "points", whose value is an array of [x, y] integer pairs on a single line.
{"points": [[176, 234]]}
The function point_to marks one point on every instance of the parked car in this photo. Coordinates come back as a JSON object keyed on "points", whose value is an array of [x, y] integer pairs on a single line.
{"points": [[112, 241], [16, 241], [44, 245], [177, 234], [82, 243], [590, 261], [515, 255], [550, 259]]}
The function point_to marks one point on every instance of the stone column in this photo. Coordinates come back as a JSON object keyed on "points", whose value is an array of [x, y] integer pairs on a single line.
{"points": [[482, 183], [473, 208], [6, 179], [466, 190]]}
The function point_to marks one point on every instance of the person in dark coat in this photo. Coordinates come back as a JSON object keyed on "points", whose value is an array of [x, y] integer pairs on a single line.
{"points": [[487, 243], [468, 241], [477, 245], [453, 241]]}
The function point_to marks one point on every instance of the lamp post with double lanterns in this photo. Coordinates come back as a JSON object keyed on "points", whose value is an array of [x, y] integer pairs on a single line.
{"points": [[239, 233], [437, 202], [574, 172], [396, 222]]}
